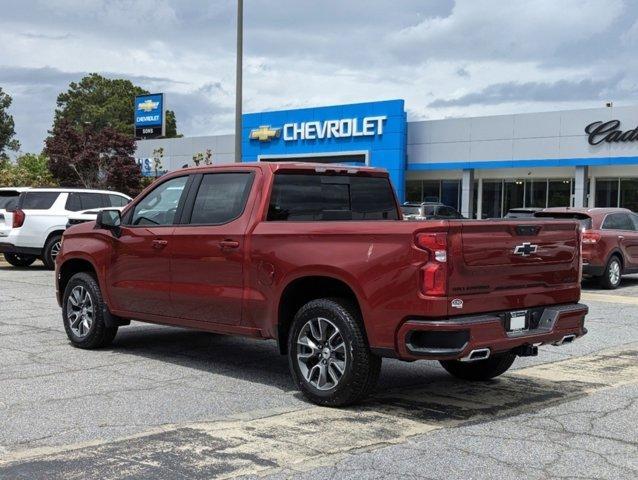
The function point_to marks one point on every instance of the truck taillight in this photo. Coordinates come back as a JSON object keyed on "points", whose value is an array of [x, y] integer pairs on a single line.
{"points": [[434, 273], [18, 218], [590, 238]]}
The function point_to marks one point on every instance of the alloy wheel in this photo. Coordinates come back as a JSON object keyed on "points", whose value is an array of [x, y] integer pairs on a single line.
{"points": [[321, 353], [614, 272], [80, 311], [55, 249]]}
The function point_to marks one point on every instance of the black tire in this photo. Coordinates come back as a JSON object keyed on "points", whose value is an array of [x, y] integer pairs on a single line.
{"points": [[613, 272], [98, 334], [362, 367], [49, 253], [19, 260], [480, 369]]}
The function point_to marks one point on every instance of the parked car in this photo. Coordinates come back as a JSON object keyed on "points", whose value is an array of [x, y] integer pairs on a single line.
{"points": [[76, 218], [609, 239], [521, 212], [317, 257], [32, 225], [429, 211]]}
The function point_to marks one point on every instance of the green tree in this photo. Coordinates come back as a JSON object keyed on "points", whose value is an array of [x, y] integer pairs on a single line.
{"points": [[30, 170], [97, 102], [171, 125], [7, 127]]}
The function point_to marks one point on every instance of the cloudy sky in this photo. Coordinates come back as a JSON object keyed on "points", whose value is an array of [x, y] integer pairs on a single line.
{"points": [[445, 58]]}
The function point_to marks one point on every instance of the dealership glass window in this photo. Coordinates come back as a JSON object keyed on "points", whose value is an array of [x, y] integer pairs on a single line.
{"points": [[513, 194], [492, 199], [606, 192], [536, 193], [559, 193], [413, 190], [450, 191], [629, 193], [431, 191]]}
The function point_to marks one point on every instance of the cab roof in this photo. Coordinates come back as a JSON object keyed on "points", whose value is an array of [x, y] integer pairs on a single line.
{"points": [[292, 166]]}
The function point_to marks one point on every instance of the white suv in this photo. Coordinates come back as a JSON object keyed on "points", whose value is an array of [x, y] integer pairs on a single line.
{"points": [[32, 220]]}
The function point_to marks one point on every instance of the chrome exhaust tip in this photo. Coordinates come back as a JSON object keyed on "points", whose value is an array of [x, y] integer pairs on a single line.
{"points": [[476, 355], [566, 339]]}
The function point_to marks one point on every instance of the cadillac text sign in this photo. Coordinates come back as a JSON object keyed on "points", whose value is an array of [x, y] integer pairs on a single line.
{"points": [[609, 132]]}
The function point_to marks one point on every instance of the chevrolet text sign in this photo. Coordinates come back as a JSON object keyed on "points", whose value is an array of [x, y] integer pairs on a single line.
{"points": [[344, 128], [149, 116], [370, 133]]}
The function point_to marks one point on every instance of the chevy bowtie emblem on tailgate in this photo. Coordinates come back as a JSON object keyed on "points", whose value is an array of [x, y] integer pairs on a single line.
{"points": [[526, 249]]}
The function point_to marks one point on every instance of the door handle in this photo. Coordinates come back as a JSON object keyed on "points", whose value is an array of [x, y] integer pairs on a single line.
{"points": [[159, 244], [228, 244], [621, 237]]}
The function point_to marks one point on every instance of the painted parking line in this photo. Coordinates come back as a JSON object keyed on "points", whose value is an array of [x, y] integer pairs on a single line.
{"points": [[606, 298], [314, 437]]}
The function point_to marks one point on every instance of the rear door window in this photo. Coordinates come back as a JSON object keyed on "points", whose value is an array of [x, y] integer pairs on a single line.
{"points": [[73, 203], [618, 221], [316, 197], [38, 200], [94, 200], [221, 197]]}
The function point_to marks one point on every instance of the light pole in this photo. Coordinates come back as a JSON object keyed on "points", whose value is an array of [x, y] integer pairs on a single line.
{"points": [[238, 78]]}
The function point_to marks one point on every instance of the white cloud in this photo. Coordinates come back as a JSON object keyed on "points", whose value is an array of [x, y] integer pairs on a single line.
{"points": [[441, 56]]}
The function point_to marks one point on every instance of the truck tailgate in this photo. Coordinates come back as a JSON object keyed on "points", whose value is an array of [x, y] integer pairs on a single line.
{"points": [[509, 264]]}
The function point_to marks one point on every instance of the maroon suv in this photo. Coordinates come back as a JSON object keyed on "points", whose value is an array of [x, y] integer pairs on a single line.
{"points": [[609, 240]]}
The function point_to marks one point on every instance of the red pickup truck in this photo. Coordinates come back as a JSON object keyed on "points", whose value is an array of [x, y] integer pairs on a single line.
{"points": [[317, 257]]}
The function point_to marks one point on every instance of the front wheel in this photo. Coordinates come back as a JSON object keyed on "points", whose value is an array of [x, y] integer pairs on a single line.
{"points": [[19, 260], [613, 271], [328, 353], [481, 369], [83, 313]]}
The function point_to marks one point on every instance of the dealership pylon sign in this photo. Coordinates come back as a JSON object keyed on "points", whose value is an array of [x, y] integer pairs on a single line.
{"points": [[150, 121]]}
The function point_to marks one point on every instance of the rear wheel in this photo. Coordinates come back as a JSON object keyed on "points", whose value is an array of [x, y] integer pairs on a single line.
{"points": [[481, 369], [613, 271], [328, 353], [82, 313], [51, 250], [19, 260]]}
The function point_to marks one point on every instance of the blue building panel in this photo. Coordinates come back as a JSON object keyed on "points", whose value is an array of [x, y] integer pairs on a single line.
{"points": [[378, 129]]}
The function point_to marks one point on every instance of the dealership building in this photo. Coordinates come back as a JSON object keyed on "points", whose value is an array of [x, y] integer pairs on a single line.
{"points": [[482, 166]]}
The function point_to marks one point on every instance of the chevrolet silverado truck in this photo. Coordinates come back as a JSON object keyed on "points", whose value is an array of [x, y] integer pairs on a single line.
{"points": [[317, 257]]}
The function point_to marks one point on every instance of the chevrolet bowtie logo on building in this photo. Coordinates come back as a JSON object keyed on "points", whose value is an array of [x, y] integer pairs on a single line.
{"points": [[264, 133], [526, 249], [147, 105]]}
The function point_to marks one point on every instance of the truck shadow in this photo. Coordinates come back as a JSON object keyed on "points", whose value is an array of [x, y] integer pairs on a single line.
{"points": [[419, 391]]}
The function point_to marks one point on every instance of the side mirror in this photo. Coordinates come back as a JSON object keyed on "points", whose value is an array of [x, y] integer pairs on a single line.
{"points": [[109, 220]]}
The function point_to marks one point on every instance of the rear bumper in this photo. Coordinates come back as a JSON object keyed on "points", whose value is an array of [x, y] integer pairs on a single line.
{"points": [[455, 338], [593, 270], [11, 248]]}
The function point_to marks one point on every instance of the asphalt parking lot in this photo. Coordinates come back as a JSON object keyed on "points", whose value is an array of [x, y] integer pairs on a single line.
{"points": [[171, 403]]}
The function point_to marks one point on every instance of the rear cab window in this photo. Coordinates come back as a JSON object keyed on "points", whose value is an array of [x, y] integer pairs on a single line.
{"points": [[38, 200], [584, 220], [320, 197]]}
